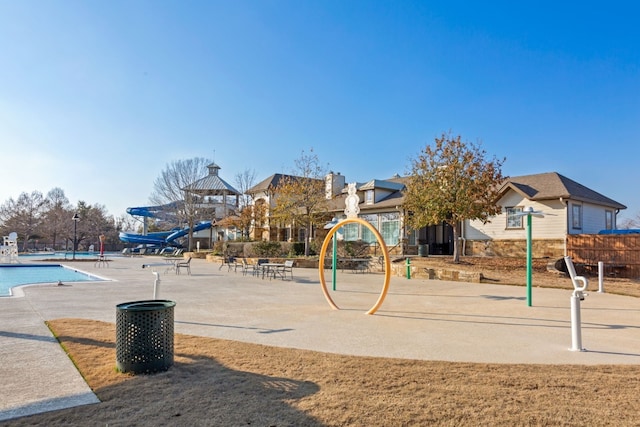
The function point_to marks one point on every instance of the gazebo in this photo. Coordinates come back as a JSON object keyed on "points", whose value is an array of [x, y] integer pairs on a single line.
{"points": [[215, 195]]}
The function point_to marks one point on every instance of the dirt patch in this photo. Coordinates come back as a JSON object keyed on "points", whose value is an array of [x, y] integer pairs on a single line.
{"points": [[513, 271], [225, 383]]}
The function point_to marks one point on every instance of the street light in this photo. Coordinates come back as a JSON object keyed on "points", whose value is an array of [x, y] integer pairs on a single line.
{"points": [[75, 219]]}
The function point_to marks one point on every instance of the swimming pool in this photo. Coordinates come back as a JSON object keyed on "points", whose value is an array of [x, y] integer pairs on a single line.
{"points": [[39, 256], [13, 275]]}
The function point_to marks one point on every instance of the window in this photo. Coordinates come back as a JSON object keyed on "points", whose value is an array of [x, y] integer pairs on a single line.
{"points": [[413, 237], [390, 228], [367, 235], [350, 232], [514, 217], [608, 220], [576, 217], [368, 197]]}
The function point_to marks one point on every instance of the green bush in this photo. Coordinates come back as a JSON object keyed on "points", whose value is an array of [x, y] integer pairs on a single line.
{"points": [[267, 249], [297, 248]]}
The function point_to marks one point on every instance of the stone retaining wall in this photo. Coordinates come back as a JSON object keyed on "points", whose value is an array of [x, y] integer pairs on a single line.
{"points": [[540, 248]]}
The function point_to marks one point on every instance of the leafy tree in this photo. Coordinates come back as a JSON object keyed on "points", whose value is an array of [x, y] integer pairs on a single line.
{"points": [[171, 188], [452, 181], [300, 199]]}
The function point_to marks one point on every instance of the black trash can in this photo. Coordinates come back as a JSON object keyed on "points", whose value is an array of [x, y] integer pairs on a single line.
{"points": [[423, 249], [144, 336]]}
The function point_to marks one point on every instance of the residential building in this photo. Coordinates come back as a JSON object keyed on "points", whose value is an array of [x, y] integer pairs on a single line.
{"points": [[568, 208]]}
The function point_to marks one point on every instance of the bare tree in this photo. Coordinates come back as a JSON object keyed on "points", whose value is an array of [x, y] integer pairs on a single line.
{"points": [[244, 181], [630, 223], [94, 221], [57, 217], [24, 216], [170, 188], [452, 182], [300, 198]]}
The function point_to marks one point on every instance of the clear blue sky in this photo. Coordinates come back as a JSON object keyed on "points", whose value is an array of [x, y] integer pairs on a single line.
{"points": [[98, 96]]}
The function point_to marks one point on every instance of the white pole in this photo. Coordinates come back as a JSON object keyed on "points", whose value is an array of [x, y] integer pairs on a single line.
{"points": [[600, 276], [156, 285], [576, 328]]}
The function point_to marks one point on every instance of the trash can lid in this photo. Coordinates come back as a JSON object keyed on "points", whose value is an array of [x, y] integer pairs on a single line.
{"points": [[146, 305]]}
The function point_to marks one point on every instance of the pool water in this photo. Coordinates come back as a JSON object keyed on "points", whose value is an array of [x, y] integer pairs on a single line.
{"points": [[36, 256], [25, 274]]}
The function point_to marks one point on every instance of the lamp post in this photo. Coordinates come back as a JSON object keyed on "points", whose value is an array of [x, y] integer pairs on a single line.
{"points": [[75, 219]]}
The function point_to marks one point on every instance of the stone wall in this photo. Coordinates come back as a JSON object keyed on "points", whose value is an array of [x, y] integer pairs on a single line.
{"points": [[541, 248]]}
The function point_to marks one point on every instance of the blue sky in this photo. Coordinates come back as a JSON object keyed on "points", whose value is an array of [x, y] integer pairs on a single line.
{"points": [[98, 97]]}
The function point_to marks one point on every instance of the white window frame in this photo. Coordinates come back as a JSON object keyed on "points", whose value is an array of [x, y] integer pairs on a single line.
{"points": [[576, 216], [369, 197], [514, 220], [608, 220]]}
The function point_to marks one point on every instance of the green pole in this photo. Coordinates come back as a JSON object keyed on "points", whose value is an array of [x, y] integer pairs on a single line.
{"points": [[408, 268], [335, 259], [529, 260]]}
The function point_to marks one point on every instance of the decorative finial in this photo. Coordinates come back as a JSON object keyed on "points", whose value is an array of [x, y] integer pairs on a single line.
{"points": [[352, 209]]}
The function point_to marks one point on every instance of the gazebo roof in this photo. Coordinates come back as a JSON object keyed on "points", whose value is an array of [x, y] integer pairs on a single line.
{"points": [[212, 184]]}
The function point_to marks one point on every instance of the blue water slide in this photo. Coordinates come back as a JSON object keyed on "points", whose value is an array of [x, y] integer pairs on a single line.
{"points": [[157, 238], [181, 233], [146, 211], [161, 238]]}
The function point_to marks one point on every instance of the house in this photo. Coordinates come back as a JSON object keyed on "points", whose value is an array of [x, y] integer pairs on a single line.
{"points": [[263, 196], [568, 208]]}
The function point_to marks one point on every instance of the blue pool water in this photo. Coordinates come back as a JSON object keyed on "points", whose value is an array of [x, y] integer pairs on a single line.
{"points": [[63, 255], [24, 274]]}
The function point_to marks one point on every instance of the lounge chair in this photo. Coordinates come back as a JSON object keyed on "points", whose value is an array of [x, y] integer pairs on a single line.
{"points": [[184, 264]]}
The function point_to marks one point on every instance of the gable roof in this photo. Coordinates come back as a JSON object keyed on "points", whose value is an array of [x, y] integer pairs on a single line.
{"points": [[271, 182], [552, 185]]}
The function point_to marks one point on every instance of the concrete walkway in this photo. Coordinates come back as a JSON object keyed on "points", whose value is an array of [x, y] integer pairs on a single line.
{"points": [[419, 319]]}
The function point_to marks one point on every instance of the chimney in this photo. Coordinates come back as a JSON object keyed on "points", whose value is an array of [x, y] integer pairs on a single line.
{"points": [[333, 184]]}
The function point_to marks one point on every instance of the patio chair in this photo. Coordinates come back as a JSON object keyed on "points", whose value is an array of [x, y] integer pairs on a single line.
{"points": [[184, 264], [249, 268], [238, 263], [286, 268]]}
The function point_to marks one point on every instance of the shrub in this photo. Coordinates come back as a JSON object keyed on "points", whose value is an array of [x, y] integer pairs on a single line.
{"points": [[267, 249]]}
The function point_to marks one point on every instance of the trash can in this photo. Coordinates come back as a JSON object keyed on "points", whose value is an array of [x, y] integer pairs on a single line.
{"points": [[423, 250], [144, 336]]}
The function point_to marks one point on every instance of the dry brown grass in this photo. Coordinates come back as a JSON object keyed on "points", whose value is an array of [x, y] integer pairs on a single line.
{"points": [[225, 383], [512, 271]]}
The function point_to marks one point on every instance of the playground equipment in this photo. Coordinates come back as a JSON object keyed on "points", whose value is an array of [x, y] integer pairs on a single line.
{"points": [[9, 249], [577, 296], [351, 212]]}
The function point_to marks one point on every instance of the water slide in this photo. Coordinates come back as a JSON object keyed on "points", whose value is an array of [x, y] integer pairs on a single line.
{"points": [[161, 238]]}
